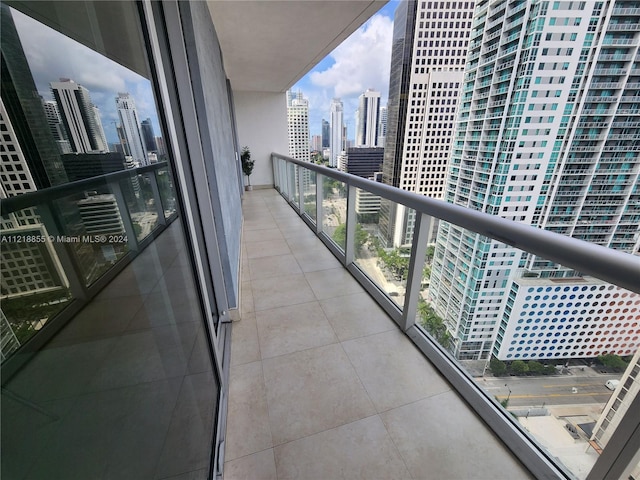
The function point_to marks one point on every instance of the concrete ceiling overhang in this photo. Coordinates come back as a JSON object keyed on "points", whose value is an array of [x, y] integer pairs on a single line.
{"points": [[268, 45]]}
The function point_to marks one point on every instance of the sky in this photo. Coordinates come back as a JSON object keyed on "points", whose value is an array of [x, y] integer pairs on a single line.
{"points": [[52, 56], [362, 61]]}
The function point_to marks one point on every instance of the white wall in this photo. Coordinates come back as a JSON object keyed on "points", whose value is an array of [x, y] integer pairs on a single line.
{"points": [[261, 119]]}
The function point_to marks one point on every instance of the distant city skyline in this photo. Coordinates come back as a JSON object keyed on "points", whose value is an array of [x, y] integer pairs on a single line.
{"points": [[362, 61]]}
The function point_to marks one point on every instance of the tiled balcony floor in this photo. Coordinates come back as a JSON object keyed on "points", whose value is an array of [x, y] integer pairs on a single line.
{"points": [[324, 385]]}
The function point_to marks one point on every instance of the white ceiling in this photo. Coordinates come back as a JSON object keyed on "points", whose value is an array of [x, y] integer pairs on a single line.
{"points": [[268, 45]]}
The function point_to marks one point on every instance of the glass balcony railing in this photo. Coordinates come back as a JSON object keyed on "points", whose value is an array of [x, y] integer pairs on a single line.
{"points": [[516, 318], [77, 236]]}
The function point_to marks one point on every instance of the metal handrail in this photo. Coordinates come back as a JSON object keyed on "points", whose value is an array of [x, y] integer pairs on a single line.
{"points": [[613, 266], [29, 199]]}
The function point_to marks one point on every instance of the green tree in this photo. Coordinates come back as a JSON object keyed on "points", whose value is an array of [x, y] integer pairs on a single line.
{"points": [[426, 272], [331, 186], [318, 159], [612, 361], [536, 367], [433, 324], [340, 234], [518, 367], [368, 217], [395, 262], [430, 252], [23, 313], [498, 367]]}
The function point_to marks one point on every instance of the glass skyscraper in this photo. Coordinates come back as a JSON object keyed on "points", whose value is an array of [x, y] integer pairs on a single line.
{"points": [[547, 135]]}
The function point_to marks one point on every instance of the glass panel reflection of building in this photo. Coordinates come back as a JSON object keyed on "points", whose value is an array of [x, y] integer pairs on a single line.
{"points": [[114, 376]]}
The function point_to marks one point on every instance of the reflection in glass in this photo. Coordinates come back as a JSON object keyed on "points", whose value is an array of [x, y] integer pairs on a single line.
{"points": [[167, 192], [34, 284], [140, 200], [109, 336]]}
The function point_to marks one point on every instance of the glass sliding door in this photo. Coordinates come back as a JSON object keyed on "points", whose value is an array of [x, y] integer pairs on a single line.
{"points": [[109, 364]]}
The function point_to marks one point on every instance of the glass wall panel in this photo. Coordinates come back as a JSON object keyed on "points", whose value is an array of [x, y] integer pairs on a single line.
{"points": [[292, 176], [138, 193], [384, 259], [553, 347], [35, 286], [92, 230], [107, 369], [309, 184], [334, 210], [558, 350], [167, 192]]}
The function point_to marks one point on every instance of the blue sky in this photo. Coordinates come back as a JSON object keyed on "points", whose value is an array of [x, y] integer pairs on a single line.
{"points": [[362, 61], [52, 56]]}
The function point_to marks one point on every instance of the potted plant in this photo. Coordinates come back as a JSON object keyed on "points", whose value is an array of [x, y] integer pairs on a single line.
{"points": [[247, 166]]}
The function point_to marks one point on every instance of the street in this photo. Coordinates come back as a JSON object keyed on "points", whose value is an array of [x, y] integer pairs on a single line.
{"points": [[580, 387]]}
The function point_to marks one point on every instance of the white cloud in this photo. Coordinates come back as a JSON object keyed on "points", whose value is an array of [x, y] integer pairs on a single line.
{"points": [[51, 56], [362, 61]]}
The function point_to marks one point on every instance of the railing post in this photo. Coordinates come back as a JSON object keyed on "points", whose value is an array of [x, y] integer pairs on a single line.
{"points": [[301, 171], [349, 243], [69, 265], [319, 200], [157, 200], [416, 266], [284, 184], [285, 179], [274, 169], [125, 216]]}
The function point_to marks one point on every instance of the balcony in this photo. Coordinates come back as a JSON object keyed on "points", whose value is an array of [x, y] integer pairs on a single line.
{"points": [[128, 377], [298, 283], [323, 384]]}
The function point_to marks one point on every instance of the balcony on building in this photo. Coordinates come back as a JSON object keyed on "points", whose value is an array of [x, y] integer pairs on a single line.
{"points": [[219, 333]]}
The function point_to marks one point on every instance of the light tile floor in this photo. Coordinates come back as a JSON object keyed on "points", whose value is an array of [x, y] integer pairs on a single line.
{"points": [[323, 385]]}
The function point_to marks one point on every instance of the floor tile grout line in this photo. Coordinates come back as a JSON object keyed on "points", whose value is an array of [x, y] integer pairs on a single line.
{"points": [[404, 460]]}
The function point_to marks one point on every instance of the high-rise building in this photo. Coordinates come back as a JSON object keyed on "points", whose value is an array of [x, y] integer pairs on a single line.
{"points": [[430, 42], [337, 131], [131, 131], [149, 138], [80, 117], [100, 215], [56, 126], [382, 127], [298, 126], [80, 166], [162, 150], [23, 106], [364, 162], [368, 119], [316, 143], [547, 136], [428, 58], [27, 267], [326, 134], [617, 406]]}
